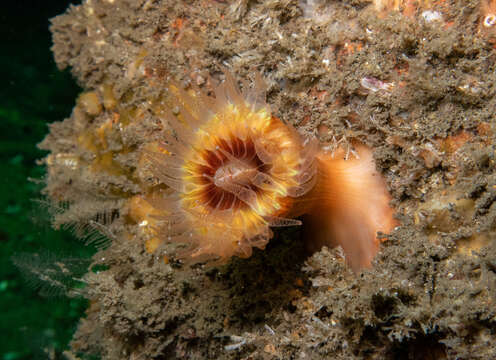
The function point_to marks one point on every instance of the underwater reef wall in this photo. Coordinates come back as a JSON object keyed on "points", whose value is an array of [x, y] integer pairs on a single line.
{"points": [[412, 80]]}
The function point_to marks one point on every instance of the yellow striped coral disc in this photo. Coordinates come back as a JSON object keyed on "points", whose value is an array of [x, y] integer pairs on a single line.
{"points": [[234, 168]]}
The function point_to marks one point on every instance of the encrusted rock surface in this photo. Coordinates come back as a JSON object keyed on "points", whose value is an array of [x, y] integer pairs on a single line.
{"points": [[414, 82]]}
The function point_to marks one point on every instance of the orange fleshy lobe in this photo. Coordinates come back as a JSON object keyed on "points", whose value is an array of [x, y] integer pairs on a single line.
{"points": [[348, 207]]}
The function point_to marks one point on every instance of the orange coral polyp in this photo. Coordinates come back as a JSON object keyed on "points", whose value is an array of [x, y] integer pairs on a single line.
{"points": [[235, 169]]}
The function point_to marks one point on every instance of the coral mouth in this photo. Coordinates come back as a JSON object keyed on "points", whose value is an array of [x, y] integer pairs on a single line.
{"points": [[229, 175]]}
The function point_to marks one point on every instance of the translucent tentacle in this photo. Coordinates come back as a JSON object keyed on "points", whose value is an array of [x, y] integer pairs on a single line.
{"points": [[281, 222], [263, 154]]}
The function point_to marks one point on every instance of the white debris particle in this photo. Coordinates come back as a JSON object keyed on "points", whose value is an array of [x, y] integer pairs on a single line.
{"points": [[269, 329], [490, 20], [240, 342], [373, 84], [430, 16]]}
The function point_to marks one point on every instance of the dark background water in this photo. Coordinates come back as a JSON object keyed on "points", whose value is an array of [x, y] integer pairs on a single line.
{"points": [[33, 93]]}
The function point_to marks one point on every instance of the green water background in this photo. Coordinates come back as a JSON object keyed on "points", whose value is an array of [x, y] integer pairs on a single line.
{"points": [[33, 94]]}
